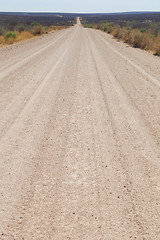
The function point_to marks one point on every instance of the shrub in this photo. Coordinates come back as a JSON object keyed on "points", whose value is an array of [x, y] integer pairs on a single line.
{"points": [[143, 30], [147, 42], [124, 34], [38, 30], [104, 25], [109, 29], [116, 32], [21, 28], [136, 38], [34, 24], [10, 35]]}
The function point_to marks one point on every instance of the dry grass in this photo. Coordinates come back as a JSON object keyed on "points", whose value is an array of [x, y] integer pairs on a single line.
{"points": [[24, 35], [157, 46], [2, 40], [53, 28], [19, 36]]}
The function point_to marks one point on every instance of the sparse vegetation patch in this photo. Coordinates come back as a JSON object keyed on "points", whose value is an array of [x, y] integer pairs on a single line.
{"points": [[142, 33], [20, 26]]}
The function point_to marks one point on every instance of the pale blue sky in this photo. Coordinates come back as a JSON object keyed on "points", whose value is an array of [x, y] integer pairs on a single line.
{"points": [[79, 5]]}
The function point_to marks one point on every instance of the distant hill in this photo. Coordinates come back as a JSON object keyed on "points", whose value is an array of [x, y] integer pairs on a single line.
{"points": [[125, 16], [47, 17], [10, 20]]}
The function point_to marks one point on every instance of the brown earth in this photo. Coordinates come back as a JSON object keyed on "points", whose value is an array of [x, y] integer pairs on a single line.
{"points": [[79, 139]]}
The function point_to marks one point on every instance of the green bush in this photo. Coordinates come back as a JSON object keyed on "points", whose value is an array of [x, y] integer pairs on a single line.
{"points": [[143, 30], [10, 35], [34, 24]]}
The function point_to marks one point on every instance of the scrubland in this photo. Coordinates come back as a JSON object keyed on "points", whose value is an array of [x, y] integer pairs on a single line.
{"points": [[139, 34], [17, 28]]}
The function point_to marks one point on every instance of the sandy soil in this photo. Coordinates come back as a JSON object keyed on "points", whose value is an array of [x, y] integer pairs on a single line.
{"points": [[79, 139]]}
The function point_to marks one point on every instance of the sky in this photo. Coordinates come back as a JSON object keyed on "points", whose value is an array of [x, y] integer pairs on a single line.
{"points": [[77, 6]]}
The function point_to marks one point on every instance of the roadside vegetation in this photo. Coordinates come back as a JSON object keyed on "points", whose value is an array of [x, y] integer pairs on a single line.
{"points": [[144, 34], [18, 28], [9, 37]]}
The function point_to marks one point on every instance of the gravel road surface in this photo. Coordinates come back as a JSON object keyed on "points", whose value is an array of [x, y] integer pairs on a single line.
{"points": [[79, 139]]}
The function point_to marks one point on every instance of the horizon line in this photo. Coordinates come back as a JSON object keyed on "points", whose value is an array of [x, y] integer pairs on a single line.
{"points": [[134, 11]]}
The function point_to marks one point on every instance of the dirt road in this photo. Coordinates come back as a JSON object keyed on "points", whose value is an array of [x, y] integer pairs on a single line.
{"points": [[79, 139]]}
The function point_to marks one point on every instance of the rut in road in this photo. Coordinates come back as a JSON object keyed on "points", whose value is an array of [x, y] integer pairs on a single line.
{"points": [[79, 139]]}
